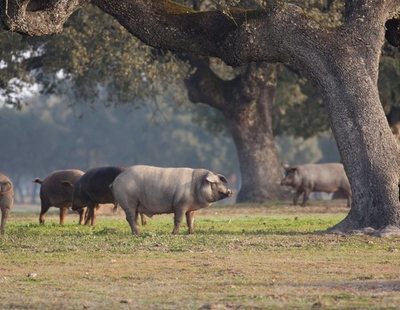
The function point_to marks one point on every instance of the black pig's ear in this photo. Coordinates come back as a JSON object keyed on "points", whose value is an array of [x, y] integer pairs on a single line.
{"points": [[67, 183], [222, 178]]}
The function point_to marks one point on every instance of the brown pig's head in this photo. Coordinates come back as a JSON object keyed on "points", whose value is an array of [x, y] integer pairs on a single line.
{"points": [[292, 177], [77, 202]]}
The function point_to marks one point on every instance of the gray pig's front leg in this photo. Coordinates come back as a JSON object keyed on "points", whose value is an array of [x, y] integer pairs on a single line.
{"points": [[178, 215], [305, 197], [190, 221], [296, 197]]}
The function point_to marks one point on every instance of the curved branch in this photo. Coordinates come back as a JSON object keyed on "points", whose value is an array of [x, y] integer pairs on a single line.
{"points": [[36, 19], [275, 34], [363, 10], [204, 86]]}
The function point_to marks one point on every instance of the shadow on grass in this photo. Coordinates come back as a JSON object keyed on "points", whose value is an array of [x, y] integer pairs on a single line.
{"points": [[258, 232]]}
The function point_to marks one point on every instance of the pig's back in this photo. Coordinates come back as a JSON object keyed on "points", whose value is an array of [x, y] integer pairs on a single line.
{"points": [[324, 177], [53, 189]]}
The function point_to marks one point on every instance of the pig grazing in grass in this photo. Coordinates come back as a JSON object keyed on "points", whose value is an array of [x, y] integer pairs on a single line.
{"points": [[92, 189], [309, 178], [6, 200], [54, 194], [154, 190]]}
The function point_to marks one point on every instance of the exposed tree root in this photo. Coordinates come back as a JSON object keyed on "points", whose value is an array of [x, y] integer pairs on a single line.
{"points": [[349, 227], [387, 231]]}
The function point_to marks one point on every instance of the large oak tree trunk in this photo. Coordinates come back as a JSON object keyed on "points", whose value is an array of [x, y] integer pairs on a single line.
{"points": [[246, 102], [367, 146]]}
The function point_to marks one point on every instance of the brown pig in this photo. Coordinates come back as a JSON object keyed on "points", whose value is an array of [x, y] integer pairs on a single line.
{"points": [[328, 178], [6, 200], [54, 194]]}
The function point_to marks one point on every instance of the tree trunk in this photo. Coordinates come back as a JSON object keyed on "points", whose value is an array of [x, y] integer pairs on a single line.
{"points": [[367, 146], [260, 167]]}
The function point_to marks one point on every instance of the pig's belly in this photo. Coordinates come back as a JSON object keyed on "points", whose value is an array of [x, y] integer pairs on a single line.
{"points": [[154, 208]]}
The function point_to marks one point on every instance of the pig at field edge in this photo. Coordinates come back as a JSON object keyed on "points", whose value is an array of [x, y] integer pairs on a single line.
{"points": [[153, 190], [309, 178], [54, 194], [6, 200]]}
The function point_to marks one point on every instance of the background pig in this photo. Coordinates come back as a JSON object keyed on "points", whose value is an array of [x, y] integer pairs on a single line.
{"points": [[309, 178], [92, 189], [153, 190], [6, 200], [54, 194]]}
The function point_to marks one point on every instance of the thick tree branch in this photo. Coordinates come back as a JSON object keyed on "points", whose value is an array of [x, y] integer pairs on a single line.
{"points": [[242, 37], [38, 17], [362, 10], [204, 86]]}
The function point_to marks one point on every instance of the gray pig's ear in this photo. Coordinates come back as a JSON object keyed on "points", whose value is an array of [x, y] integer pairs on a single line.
{"points": [[222, 178], [67, 183], [286, 166], [212, 178]]}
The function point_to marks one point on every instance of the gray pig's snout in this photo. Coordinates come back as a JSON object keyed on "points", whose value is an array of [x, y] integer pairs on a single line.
{"points": [[229, 192]]}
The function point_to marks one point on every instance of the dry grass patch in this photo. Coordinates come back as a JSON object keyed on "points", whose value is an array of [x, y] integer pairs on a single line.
{"points": [[241, 257]]}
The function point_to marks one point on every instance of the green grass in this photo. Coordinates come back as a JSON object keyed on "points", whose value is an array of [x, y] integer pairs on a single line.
{"points": [[241, 257]]}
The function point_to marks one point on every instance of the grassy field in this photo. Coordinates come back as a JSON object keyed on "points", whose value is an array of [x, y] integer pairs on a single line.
{"points": [[241, 257]]}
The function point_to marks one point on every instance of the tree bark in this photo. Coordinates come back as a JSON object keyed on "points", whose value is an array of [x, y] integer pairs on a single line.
{"points": [[251, 128], [246, 103], [367, 146], [347, 76]]}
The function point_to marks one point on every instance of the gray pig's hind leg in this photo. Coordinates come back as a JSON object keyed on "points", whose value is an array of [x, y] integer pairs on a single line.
{"points": [[131, 218], [190, 221], [130, 209], [4, 216], [178, 215]]}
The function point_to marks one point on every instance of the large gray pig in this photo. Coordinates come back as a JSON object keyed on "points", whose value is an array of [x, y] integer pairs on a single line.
{"points": [[309, 178], [154, 190], [92, 189], [54, 194], [6, 200]]}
